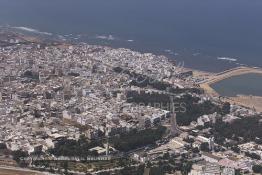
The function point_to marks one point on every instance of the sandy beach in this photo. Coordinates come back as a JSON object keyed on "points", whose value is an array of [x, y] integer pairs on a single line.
{"points": [[248, 101]]}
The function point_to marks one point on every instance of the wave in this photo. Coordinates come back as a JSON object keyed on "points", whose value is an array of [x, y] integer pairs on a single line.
{"points": [[196, 54], [170, 52], [104, 37], [227, 59], [130, 40], [241, 64], [32, 30]]}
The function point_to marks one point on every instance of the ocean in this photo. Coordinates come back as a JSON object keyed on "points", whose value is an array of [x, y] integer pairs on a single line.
{"points": [[204, 34]]}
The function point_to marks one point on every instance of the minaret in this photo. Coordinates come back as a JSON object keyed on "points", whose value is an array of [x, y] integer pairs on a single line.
{"points": [[174, 129], [211, 143], [107, 146], [40, 77], [107, 138], [66, 88]]}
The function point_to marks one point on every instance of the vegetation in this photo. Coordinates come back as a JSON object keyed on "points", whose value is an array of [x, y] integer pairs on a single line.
{"points": [[19, 155], [140, 80], [225, 108], [172, 166], [195, 110], [257, 169], [186, 107], [186, 167], [253, 155], [236, 149], [132, 170], [3, 146], [31, 75], [135, 139], [249, 128], [204, 147], [66, 147], [156, 170], [73, 74]]}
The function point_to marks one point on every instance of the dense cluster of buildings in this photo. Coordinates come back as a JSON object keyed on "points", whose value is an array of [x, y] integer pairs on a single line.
{"points": [[48, 91], [53, 91]]}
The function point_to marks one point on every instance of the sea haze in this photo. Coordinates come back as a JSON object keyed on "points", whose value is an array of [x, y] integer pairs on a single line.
{"points": [[207, 35]]}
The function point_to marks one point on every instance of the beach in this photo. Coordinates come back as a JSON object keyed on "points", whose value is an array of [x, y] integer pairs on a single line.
{"points": [[250, 101]]}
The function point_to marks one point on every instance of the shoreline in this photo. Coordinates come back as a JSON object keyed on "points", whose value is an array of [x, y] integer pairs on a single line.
{"points": [[250, 101], [214, 78], [34, 34], [208, 78]]}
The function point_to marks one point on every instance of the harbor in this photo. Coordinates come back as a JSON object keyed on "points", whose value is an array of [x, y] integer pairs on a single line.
{"points": [[233, 86]]}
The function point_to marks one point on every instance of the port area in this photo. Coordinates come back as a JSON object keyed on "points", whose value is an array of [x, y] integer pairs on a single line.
{"points": [[254, 102]]}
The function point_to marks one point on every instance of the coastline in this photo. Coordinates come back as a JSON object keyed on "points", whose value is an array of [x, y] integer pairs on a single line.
{"points": [[252, 102], [213, 78], [208, 78]]}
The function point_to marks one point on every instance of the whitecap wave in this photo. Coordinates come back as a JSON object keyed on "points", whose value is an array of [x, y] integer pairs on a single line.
{"points": [[241, 64], [170, 52], [32, 30], [227, 59], [196, 54], [105, 37], [130, 40]]}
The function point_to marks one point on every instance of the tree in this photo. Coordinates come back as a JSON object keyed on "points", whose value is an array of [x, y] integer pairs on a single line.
{"points": [[195, 150], [253, 155], [186, 168], [236, 149], [2, 146], [67, 147], [226, 108], [156, 170], [188, 109], [140, 169], [248, 128], [65, 166], [166, 156], [204, 147], [148, 164], [135, 139], [237, 172], [19, 155], [257, 169]]}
